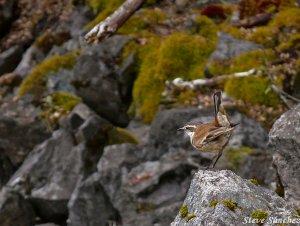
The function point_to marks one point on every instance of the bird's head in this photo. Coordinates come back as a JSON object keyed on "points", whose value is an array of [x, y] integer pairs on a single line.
{"points": [[190, 128]]}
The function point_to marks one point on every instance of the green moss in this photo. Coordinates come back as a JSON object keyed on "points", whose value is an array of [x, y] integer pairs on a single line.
{"points": [[104, 7], [213, 203], [142, 207], [254, 181], [120, 136], [206, 28], [259, 214], [183, 211], [252, 89], [235, 32], [34, 83], [190, 217], [229, 204], [265, 35], [142, 22], [48, 39], [244, 62], [58, 104], [236, 155], [298, 211], [178, 55], [292, 43]]}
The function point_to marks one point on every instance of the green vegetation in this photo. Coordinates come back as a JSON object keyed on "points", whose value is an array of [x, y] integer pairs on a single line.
{"points": [[119, 136], [229, 204], [236, 155], [254, 181], [244, 62], [178, 55], [34, 83], [252, 89], [142, 22], [190, 217], [183, 211], [58, 104], [285, 24], [298, 211], [259, 214], [213, 203]]}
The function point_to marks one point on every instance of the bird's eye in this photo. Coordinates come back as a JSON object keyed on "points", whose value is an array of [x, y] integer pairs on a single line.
{"points": [[191, 129]]}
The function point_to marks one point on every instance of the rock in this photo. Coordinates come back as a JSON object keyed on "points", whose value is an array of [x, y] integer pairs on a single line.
{"points": [[144, 192], [32, 56], [236, 199], [229, 47], [284, 139], [6, 168], [10, 58], [96, 80], [6, 14], [89, 204], [14, 209], [21, 129], [50, 173]]}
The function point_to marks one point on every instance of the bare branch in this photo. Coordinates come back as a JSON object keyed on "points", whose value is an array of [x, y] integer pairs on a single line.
{"points": [[194, 84], [257, 20], [112, 23]]}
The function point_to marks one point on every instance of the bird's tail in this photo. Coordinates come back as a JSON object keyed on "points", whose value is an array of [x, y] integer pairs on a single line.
{"points": [[217, 102]]}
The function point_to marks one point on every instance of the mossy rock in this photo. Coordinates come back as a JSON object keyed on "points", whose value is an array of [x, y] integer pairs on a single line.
{"points": [[141, 22], [253, 90], [190, 217], [206, 28], [285, 24], [183, 211], [236, 155], [244, 62], [213, 203], [58, 104], [229, 204], [259, 214], [34, 83], [119, 136], [254, 181], [178, 55]]}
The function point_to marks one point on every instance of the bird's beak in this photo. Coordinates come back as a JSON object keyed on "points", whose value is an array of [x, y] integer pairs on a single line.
{"points": [[180, 129]]}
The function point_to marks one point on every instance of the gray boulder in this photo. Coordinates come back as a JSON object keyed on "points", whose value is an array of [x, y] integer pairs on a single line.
{"points": [[14, 209], [223, 198], [89, 204], [6, 14], [50, 173], [284, 139], [229, 47], [10, 58], [21, 129], [144, 192]]}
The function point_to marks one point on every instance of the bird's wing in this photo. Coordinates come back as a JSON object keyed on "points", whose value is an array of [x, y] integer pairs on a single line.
{"points": [[214, 133]]}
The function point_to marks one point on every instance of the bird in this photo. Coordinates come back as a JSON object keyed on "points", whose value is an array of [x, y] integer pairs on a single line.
{"points": [[213, 136]]}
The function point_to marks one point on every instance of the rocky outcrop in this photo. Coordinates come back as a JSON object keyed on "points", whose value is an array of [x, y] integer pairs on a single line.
{"points": [[20, 131], [284, 138], [89, 204], [50, 173], [10, 58], [14, 209], [223, 198], [229, 47]]}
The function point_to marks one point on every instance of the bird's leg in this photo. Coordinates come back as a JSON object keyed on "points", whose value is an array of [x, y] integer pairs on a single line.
{"points": [[215, 160]]}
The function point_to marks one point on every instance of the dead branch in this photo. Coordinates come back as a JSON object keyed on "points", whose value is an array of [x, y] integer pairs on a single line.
{"points": [[286, 98], [112, 23], [195, 84], [257, 20]]}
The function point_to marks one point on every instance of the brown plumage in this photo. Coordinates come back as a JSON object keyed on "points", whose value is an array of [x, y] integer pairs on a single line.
{"points": [[212, 136]]}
